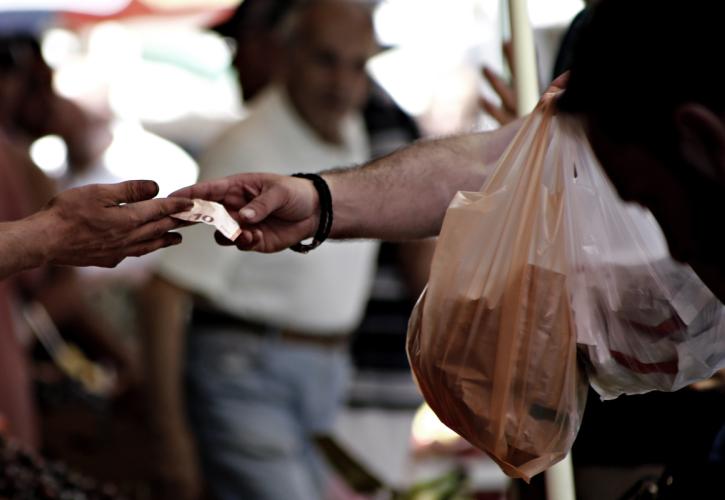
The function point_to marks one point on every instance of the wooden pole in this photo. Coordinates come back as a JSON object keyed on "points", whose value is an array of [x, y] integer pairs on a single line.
{"points": [[524, 57], [560, 481]]}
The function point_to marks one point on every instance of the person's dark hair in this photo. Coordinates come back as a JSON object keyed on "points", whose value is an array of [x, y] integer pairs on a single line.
{"points": [[18, 51], [255, 16], [636, 60]]}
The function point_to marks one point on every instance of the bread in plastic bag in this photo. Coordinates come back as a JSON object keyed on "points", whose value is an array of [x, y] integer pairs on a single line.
{"points": [[491, 341]]}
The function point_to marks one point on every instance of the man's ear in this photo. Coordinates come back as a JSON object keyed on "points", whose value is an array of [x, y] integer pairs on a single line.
{"points": [[701, 140]]}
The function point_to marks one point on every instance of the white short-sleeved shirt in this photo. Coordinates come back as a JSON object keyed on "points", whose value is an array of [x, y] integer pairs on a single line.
{"points": [[324, 291]]}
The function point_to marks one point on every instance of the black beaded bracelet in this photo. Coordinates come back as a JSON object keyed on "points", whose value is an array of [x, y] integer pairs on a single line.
{"points": [[323, 229]]}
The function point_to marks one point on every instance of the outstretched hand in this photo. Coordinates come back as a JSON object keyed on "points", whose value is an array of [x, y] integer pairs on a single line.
{"points": [[274, 211], [101, 224]]}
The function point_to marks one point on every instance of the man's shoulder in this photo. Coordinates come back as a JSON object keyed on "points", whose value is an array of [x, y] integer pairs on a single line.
{"points": [[263, 118], [249, 136]]}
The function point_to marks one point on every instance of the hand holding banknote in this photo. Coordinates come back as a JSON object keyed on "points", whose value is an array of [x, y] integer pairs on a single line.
{"points": [[94, 225], [101, 224], [213, 214], [275, 211]]}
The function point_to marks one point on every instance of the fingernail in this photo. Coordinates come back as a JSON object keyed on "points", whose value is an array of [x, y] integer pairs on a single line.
{"points": [[246, 237], [153, 187], [247, 213]]}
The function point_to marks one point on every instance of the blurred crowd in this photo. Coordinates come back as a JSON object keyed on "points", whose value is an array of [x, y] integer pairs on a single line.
{"points": [[205, 373], [83, 384]]}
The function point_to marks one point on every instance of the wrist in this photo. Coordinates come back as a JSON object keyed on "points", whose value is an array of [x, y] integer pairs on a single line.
{"points": [[33, 237], [315, 217], [341, 209], [49, 229], [322, 210]]}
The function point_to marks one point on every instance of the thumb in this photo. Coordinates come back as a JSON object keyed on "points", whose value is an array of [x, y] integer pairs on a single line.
{"points": [[559, 82], [263, 205]]}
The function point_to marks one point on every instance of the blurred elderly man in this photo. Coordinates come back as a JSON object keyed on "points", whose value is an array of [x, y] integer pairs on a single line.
{"points": [[266, 359]]}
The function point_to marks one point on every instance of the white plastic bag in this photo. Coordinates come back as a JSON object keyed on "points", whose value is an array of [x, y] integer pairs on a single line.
{"points": [[491, 341], [644, 321]]}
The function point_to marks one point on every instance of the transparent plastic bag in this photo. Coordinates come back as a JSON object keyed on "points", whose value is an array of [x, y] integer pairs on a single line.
{"points": [[491, 341], [545, 280]]}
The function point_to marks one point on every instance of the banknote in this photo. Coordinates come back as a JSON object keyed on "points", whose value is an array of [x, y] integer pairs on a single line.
{"points": [[214, 214]]}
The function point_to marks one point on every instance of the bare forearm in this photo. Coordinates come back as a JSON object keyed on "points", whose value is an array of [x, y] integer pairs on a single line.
{"points": [[405, 195], [398, 197], [24, 244]]}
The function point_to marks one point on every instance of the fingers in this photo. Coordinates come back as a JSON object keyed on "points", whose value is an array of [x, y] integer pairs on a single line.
{"points": [[263, 205], [150, 210], [248, 240], [155, 229], [559, 82], [223, 240], [506, 111], [499, 114], [132, 250], [556, 88], [211, 190], [503, 89], [131, 191], [253, 240], [144, 247]]}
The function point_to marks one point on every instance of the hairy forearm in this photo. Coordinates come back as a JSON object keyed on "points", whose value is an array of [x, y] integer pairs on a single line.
{"points": [[405, 195], [25, 244]]}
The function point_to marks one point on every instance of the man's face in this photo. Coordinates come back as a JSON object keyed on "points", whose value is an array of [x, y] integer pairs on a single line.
{"points": [[688, 206], [326, 76]]}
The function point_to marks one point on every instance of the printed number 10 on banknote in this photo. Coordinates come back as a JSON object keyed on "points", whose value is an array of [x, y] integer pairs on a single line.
{"points": [[213, 214]]}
